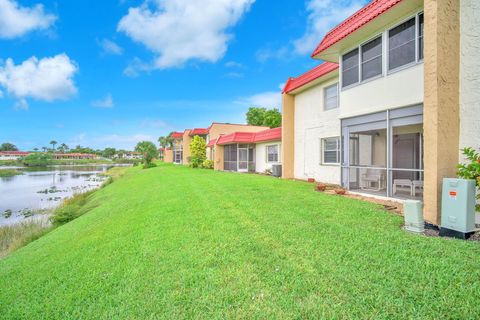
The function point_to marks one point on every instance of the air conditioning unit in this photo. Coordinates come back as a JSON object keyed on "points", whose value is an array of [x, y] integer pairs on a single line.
{"points": [[277, 170]]}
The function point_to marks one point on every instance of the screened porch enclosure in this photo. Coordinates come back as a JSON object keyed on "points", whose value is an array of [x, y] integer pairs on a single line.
{"points": [[177, 156], [383, 153], [239, 157]]}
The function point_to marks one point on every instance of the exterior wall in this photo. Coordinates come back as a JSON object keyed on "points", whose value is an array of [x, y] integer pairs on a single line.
{"points": [[168, 156], [9, 157], [261, 164], [218, 129], [218, 161], [469, 74], [186, 146], [312, 123], [399, 89], [441, 106], [288, 135]]}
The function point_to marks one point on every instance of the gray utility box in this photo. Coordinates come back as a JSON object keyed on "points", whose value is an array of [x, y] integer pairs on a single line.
{"points": [[413, 212], [458, 208], [277, 170]]}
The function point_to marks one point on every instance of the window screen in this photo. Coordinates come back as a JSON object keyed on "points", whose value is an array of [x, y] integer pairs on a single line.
{"points": [[401, 44], [331, 150], [372, 58], [272, 153], [350, 68], [420, 36], [330, 99]]}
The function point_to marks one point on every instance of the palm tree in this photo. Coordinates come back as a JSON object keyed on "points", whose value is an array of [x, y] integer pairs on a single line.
{"points": [[53, 143], [35, 149], [63, 148]]}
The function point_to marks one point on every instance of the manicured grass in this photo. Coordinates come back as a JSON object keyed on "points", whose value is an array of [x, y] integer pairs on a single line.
{"points": [[174, 242]]}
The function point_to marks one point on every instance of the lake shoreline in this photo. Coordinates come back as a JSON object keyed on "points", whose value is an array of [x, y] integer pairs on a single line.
{"points": [[16, 235]]}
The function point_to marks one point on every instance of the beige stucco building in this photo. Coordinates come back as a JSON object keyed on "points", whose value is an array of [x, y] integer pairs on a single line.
{"points": [[216, 152], [396, 98]]}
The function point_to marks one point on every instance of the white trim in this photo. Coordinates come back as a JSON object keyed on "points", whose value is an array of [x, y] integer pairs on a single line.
{"points": [[338, 151], [385, 52], [278, 152], [325, 96]]}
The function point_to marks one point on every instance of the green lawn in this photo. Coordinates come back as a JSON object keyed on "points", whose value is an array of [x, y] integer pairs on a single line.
{"points": [[173, 242]]}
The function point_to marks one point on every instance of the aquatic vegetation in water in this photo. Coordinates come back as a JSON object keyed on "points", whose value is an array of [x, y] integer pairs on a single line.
{"points": [[7, 213], [7, 173], [27, 212], [51, 190]]}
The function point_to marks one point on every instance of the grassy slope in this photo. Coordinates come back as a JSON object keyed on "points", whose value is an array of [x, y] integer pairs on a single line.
{"points": [[173, 242]]}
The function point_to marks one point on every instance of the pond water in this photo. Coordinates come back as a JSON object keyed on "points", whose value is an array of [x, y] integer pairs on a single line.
{"points": [[44, 188]]}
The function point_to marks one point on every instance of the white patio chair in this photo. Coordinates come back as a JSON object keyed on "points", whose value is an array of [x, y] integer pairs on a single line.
{"points": [[416, 184], [402, 183], [372, 176]]}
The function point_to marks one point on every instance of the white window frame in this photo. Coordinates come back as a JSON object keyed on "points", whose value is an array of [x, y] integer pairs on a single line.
{"points": [[278, 153], [338, 150], [385, 53], [325, 96]]}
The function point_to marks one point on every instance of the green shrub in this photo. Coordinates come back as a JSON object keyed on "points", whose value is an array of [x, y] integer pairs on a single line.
{"points": [[6, 173], [198, 152], [37, 160], [149, 165], [471, 170], [207, 164], [71, 208]]}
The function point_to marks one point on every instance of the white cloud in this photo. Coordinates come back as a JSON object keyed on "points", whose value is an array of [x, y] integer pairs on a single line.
{"points": [[21, 104], [178, 31], [153, 123], [110, 47], [135, 67], [16, 21], [233, 64], [106, 102], [47, 79], [235, 75], [269, 99], [122, 141], [323, 16], [266, 54]]}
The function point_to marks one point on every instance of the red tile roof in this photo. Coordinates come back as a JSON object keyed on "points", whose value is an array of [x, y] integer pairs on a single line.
{"points": [[268, 135], [212, 142], [251, 137], [236, 137], [76, 154], [354, 22], [309, 76], [177, 135], [199, 131]]}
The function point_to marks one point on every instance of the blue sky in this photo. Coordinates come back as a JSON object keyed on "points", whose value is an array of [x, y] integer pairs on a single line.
{"points": [[111, 73]]}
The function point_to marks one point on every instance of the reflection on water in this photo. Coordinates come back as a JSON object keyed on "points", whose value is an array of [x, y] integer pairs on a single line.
{"points": [[44, 188]]}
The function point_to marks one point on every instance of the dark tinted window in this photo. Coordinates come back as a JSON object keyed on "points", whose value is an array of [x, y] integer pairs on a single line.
{"points": [[372, 59], [401, 44], [350, 68]]}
